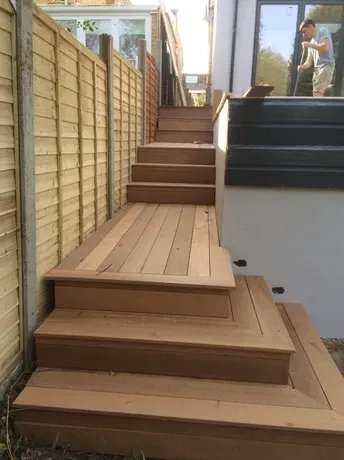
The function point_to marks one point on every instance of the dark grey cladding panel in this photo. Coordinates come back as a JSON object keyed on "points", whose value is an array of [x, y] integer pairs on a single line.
{"points": [[285, 178], [287, 110], [295, 156], [286, 134], [286, 142]]}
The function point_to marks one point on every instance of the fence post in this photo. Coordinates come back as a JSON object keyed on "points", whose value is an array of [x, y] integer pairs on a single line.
{"points": [[106, 54], [158, 59], [142, 68], [26, 171]]}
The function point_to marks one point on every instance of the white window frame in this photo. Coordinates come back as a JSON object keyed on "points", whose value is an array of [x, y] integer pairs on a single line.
{"points": [[94, 16]]}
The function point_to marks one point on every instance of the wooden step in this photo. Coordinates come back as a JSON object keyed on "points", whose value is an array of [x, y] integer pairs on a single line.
{"points": [[192, 174], [193, 419], [185, 112], [184, 136], [149, 259], [185, 124], [176, 153], [159, 344], [252, 344], [159, 192]]}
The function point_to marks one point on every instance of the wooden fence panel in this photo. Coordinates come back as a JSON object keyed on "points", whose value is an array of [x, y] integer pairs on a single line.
{"points": [[128, 121], [152, 89], [70, 145], [10, 291]]}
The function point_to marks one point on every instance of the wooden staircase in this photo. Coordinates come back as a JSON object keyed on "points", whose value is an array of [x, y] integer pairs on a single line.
{"points": [[155, 345], [180, 167]]}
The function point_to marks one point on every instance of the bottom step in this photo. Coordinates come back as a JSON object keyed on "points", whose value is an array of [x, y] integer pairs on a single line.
{"points": [[194, 419], [159, 192]]}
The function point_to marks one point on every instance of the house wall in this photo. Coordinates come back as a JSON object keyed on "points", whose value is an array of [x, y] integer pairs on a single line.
{"points": [[221, 144], [294, 238], [156, 31], [223, 36], [114, 16], [224, 16], [283, 201]]}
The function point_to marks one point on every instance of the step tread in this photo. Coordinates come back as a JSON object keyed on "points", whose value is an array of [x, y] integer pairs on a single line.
{"points": [[178, 145], [172, 387], [212, 402], [158, 329], [192, 132], [172, 165], [177, 417], [330, 379], [171, 185], [182, 330], [224, 411], [187, 118]]}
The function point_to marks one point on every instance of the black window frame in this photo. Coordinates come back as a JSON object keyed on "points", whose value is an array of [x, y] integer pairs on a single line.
{"points": [[297, 56]]}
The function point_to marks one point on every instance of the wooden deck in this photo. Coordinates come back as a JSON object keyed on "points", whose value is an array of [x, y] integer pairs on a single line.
{"points": [[157, 239], [156, 247], [194, 419], [154, 344]]}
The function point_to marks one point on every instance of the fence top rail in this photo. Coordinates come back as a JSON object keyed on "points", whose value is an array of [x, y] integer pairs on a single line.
{"points": [[49, 22], [118, 55]]}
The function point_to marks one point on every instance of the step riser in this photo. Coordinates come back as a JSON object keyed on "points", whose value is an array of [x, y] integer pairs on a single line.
{"points": [[185, 112], [185, 125], [176, 156], [170, 196], [206, 304], [158, 359], [103, 438], [178, 174], [205, 137]]}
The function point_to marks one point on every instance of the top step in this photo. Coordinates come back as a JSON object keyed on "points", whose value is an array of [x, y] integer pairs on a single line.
{"points": [[185, 112]]}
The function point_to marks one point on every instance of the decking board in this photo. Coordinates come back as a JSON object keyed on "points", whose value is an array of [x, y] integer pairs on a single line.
{"points": [[156, 239]]}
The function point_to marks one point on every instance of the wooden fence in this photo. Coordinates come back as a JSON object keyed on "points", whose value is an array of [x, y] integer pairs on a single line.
{"points": [[10, 228], [70, 145], [127, 121], [79, 172], [152, 88]]}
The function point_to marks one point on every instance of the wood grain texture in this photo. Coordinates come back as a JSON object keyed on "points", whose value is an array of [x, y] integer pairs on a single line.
{"points": [[199, 264], [301, 370], [143, 247], [178, 261], [121, 251], [158, 257], [100, 252], [323, 365], [143, 299]]}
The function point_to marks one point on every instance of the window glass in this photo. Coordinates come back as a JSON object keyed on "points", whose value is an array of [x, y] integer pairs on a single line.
{"points": [[70, 25], [130, 31], [92, 37], [329, 16], [191, 79], [277, 31]]}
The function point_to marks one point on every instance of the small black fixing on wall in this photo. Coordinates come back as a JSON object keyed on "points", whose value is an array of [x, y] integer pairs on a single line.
{"points": [[240, 263]]}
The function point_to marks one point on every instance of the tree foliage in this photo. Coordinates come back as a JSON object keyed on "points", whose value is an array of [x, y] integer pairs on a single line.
{"points": [[272, 69]]}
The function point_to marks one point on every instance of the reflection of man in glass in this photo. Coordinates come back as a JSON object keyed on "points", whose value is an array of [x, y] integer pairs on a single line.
{"points": [[320, 53]]}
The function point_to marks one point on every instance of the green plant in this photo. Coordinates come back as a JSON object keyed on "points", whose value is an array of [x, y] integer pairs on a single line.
{"points": [[85, 25]]}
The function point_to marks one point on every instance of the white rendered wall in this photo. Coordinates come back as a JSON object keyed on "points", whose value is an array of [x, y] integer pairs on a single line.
{"points": [[244, 46], [223, 32], [295, 239], [223, 27]]}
